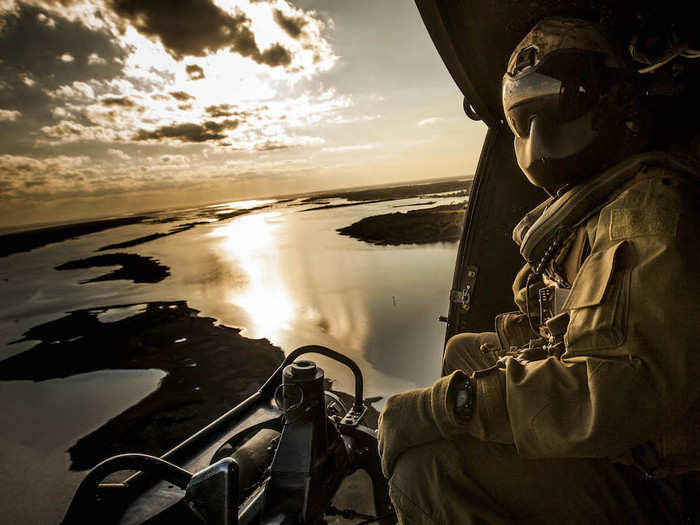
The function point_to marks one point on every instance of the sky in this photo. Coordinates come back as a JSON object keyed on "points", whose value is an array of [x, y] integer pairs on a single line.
{"points": [[119, 106]]}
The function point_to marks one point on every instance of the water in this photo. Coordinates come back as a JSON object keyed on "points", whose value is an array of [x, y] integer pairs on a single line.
{"points": [[40, 421], [277, 273]]}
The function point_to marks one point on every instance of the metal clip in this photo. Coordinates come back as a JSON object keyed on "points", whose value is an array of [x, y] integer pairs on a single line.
{"points": [[463, 297], [354, 416]]}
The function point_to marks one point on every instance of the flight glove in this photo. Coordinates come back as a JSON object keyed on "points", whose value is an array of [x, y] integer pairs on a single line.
{"points": [[417, 417]]}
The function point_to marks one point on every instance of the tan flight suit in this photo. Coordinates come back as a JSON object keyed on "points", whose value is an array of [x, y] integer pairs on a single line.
{"points": [[562, 440]]}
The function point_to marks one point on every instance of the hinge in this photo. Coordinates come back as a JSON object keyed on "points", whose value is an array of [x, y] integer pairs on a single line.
{"points": [[463, 296]]}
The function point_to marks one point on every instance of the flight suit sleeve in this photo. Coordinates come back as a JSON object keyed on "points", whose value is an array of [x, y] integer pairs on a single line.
{"points": [[628, 370]]}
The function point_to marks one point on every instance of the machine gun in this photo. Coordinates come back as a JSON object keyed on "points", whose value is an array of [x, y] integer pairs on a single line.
{"points": [[277, 458]]}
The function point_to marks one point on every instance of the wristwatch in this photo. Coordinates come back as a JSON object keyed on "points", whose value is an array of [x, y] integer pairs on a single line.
{"points": [[465, 399]]}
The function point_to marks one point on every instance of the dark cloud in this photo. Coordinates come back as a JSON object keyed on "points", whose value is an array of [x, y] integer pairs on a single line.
{"points": [[30, 69], [194, 71], [276, 55], [220, 110], [63, 130], [30, 46], [189, 132], [35, 182], [197, 28], [293, 26], [122, 102], [228, 110], [181, 96], [186, 27], [271, 146]]}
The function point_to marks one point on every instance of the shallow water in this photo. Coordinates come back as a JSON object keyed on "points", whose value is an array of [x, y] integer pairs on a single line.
{"points": [[41, 420], [278, 273]]}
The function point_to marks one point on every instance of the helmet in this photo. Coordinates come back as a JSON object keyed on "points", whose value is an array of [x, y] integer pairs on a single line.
{"points": [[563, 100]]}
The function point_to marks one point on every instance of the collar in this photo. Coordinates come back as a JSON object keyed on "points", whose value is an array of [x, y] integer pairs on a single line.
{"points": [[542, 231]]}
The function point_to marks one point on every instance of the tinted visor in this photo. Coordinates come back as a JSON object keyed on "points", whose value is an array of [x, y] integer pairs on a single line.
{"points": [[563, 87]]}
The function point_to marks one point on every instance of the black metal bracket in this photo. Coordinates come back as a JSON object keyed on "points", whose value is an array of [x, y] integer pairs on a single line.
{"points": [[463, 297], [213, 493], [354, 416]]}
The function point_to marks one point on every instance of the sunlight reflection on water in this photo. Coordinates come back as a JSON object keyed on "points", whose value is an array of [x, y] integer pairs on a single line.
{"points": [[251, 242], [241, 205]]}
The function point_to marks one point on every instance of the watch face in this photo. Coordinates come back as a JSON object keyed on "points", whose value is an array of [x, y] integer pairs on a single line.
{"points": [[462, 398], [464, 401]]}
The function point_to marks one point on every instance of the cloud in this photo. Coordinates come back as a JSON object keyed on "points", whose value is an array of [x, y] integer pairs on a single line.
{"points": [[220, 110], [9, 114], [354, 147], [27, 79], [52, 54], [107, 77], [292, 25], [181, 96], [174, 160], [48, 21], [59, 112], [67, 132], [429, 121], [344, 119], [271, 145], [122, 102], [286, 142], [197, 28], [76, 90], [194, 71], [230, 110], [119, 154], [94, 59], [18, 173], [276, 55], [189, 132], [37, 80]]}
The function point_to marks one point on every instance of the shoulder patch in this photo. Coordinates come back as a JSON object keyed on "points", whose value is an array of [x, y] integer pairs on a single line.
{"points": [[635, 222]]}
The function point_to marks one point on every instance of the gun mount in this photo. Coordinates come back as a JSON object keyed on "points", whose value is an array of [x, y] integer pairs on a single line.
{"points": [[277, 458]]}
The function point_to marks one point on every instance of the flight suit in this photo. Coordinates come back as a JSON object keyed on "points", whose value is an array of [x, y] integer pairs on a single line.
{"points": [[597, 434]]}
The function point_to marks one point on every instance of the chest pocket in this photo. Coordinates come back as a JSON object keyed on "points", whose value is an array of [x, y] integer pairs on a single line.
{"points": [[598, 302]]}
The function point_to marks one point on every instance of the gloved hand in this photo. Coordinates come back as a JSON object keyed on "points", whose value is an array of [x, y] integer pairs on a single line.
{"points": [[524, 294], [416, 417]]}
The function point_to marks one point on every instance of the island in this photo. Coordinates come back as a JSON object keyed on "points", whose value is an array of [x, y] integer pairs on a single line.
{"points": [[442, 188], [24, 241], [437, 224], [211, 368], [134, 267]]}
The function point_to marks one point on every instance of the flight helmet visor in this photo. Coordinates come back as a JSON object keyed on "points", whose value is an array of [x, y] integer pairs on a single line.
{"points": [[562, 87]]}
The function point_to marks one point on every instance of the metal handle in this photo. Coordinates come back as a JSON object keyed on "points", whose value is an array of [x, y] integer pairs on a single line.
{"points": [[271, 384]]}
